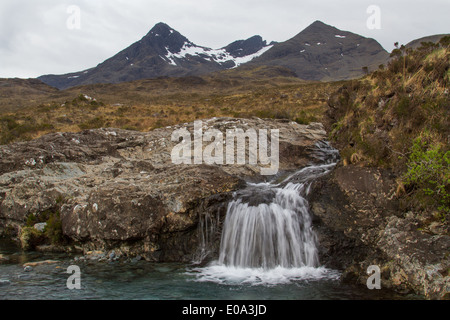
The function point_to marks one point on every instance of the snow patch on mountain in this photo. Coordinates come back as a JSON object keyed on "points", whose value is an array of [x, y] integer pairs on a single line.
{"points": [[218, 55], [241, 60]]}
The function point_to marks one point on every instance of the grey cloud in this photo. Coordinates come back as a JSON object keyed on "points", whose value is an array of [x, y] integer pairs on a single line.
{"points": [[35, 41]]}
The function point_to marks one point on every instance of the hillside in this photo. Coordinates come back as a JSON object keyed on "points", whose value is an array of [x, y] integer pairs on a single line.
{"points": [[15, 94], [397, 118]]}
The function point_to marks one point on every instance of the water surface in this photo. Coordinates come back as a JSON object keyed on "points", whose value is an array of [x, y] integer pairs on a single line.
{"points": [[168, 281]]}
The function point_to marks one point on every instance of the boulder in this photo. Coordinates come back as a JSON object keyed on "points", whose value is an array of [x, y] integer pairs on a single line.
{"points": [[357, 217]]}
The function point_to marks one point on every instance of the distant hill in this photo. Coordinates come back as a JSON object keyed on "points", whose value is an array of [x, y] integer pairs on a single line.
{"points": [[17, 93], [435, 38]]}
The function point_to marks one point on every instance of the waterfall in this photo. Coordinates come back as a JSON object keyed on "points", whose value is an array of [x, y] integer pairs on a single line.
{"points": [[207, 227], [269, 235], [276, 233], [268, 227]]}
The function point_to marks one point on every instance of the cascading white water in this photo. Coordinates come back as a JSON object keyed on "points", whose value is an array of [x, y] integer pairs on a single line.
{"points": [[268, 232], [274, 234], [269, 235]]}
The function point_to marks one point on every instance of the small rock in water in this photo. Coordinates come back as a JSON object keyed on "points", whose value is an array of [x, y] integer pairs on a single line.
{"points": [[40, 263], [136, 259], [28, 269], [95, 255], [112, 255], [3, 258], [4, 282]]}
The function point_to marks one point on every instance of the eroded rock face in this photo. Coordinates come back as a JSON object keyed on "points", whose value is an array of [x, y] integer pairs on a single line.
{"points": [[118, 189], [359, 224]]}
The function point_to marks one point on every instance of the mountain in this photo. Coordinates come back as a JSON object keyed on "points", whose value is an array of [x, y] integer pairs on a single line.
{"points": [[323, 52], [162, 52], [320, 52]]}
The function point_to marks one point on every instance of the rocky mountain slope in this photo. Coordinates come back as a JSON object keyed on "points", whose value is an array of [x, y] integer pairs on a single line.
{"points": [[325, 53], [162, 52]]}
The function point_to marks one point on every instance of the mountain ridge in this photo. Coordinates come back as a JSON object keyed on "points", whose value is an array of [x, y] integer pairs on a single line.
{"points": [[163, 51], [320, 52]]}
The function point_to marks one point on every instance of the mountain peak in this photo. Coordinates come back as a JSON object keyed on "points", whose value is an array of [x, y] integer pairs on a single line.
{"points": [[322, 53], [160, 39], [161, 29], [318, 23], [318, 26], [161, 26], [242, 48]]}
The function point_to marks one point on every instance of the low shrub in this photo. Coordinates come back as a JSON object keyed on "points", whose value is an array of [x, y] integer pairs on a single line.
{"points": [[429, 173]]}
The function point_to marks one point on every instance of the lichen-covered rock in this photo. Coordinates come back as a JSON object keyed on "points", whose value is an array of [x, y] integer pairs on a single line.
{"points": [[360, 224]]}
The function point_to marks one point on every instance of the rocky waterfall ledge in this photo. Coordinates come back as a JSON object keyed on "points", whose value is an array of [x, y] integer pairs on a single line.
{"points": [[112, 189]]}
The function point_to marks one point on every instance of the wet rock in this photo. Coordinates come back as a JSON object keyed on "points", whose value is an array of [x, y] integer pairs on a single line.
{"points": [[4, 283], [136, 259], [95, 255], [3, 258], [28, 268], [39, 263], [351, 275], [112, 255], [359, 224], [79, 259]]}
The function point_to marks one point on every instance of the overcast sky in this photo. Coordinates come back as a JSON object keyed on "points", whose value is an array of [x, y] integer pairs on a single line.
{"points": [[43, 36]]}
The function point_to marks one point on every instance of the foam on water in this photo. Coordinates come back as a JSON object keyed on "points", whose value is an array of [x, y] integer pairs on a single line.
{"points": [[229, 275]]}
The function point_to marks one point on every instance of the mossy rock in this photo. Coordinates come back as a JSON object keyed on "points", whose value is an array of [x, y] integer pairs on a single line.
{"points": [[30, 238]]}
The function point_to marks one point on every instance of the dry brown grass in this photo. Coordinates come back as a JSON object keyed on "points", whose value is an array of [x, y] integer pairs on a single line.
{"points": [[386, 112], [148, 104]]}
